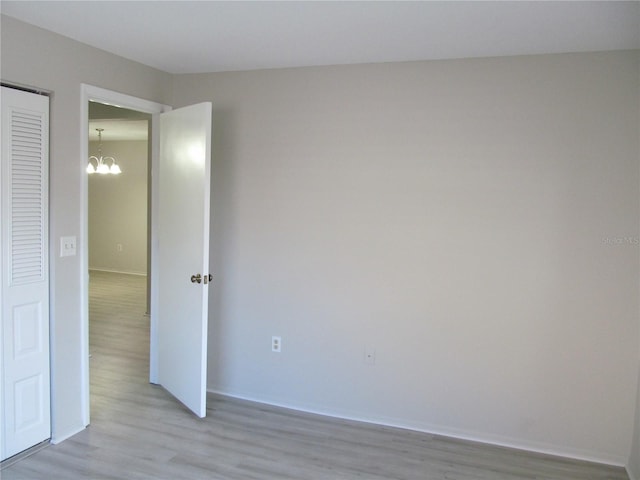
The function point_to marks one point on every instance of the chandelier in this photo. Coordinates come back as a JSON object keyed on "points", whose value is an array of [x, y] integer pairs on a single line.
{"points": [[102, 163]]}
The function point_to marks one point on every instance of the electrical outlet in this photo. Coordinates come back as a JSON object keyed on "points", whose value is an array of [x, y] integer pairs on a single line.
{"points": [[276, 344]]}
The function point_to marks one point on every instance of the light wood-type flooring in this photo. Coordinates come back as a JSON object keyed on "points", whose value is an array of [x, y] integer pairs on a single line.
{"points": [[138, 431]]}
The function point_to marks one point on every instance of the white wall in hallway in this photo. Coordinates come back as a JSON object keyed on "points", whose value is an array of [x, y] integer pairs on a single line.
{"points": [[118, 210]]}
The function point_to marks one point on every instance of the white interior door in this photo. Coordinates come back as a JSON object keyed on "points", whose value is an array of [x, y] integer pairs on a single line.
{"points": [[24, 317], [183, 253]]}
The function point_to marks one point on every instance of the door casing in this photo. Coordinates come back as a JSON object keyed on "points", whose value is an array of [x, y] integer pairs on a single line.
{"points": [[97, 94]]}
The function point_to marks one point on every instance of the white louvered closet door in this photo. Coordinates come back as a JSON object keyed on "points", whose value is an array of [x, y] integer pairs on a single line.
{"points": [[25, 385]]}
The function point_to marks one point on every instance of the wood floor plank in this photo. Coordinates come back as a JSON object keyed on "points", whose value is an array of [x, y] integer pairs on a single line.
{"points": [[139, 432]]}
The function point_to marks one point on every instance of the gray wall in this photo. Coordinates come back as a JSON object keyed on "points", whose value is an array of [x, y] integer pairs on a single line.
{"points": [[118, 210], [36, 57], [633, 466], [474, 221], [634, 459]]}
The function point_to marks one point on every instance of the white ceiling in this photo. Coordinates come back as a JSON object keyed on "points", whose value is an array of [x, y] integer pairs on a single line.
{"points": [[119, 130], [118, 123], [207, 36]]}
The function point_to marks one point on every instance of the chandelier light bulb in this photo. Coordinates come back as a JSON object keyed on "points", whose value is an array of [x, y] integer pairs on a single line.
{"points": [[101, 163]]}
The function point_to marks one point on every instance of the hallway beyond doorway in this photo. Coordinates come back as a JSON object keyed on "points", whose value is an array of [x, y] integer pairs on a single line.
{"points": [[118, 335]]}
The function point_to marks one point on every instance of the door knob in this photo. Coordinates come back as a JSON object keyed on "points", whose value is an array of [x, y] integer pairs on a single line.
{"points": [[196, 278]]}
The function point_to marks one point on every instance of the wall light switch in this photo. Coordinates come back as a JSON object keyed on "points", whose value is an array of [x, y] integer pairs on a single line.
{"points": [[67, 246]]}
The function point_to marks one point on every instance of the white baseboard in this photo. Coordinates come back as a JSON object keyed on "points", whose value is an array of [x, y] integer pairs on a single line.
{"points": [[61, 438], [107, 270], [498, 441]]}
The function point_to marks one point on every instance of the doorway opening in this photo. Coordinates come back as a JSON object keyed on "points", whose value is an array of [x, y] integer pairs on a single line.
{"points": [[183, 154], [119, 205], [90, 95], [118, 248]]}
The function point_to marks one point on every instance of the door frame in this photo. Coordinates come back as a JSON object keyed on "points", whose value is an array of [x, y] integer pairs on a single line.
{"points": [[109, 97]]}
